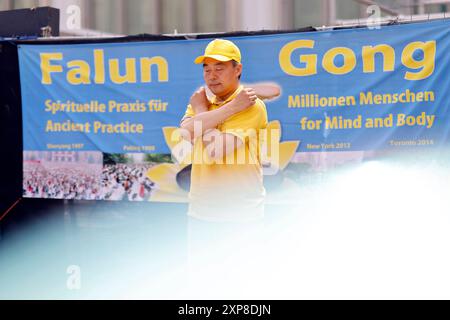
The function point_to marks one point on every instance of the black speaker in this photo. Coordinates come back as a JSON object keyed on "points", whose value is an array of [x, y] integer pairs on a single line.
{"points": [[29, 22]]}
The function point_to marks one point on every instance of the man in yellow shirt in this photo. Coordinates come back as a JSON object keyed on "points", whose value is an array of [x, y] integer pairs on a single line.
{"points": [[226, 177]]}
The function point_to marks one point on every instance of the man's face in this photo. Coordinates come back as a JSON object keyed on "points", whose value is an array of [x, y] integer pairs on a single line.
{"points": [[222, 78]]}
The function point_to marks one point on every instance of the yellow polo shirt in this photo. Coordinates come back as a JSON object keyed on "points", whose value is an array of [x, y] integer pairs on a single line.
{"points": [[230, 188]]}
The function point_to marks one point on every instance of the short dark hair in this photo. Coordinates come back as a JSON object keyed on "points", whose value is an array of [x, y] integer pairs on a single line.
{"points": [[235, 63]]}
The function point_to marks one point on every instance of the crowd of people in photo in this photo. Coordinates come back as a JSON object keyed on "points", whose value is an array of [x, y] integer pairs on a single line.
{"points": [[126, 182], [61, 182], [108, 182]]}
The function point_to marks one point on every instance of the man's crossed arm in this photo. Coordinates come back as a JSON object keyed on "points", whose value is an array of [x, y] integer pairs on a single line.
{"points": [[218, 144]]}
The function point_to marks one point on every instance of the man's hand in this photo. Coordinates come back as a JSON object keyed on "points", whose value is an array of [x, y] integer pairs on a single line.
{"points": [[211, 119], [244, 99], [199, 101]]}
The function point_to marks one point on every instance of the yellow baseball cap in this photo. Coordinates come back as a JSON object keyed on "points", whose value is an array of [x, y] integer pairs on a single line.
{"points": [[222, 50]]}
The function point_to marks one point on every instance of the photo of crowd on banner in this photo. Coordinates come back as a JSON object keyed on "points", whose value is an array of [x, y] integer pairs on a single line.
{"points": [[86, 176]]}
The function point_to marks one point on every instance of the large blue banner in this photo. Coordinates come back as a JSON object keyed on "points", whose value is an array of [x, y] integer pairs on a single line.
{"points": [[344, 90]]}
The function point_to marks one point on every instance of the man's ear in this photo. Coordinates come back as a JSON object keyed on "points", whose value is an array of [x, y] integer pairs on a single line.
{"points": [[239, 69]]}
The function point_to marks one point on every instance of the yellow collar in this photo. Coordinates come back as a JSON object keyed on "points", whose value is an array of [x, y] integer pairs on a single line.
{"points": [[235, 93]]}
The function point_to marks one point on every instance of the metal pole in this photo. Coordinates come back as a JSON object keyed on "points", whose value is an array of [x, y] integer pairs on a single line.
{"points": [[330, 12]]}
